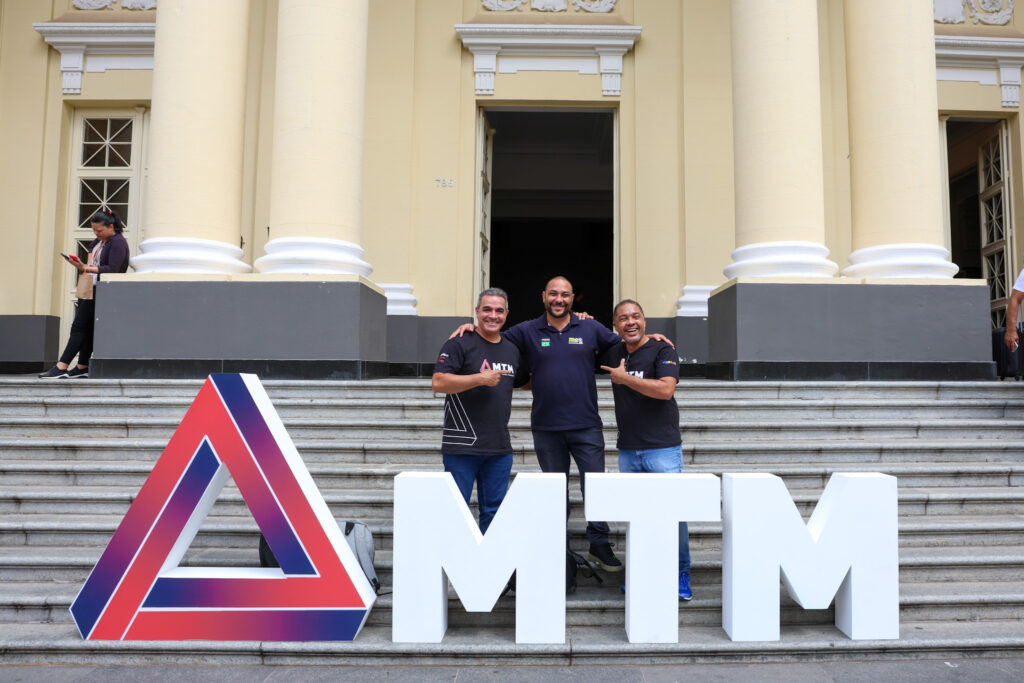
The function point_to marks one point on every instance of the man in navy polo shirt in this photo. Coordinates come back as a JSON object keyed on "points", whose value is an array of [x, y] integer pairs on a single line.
{"points": [[644, 374], [561, 351]]}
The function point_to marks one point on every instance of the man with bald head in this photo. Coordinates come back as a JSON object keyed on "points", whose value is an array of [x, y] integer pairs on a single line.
{"points": [[560, 350]]}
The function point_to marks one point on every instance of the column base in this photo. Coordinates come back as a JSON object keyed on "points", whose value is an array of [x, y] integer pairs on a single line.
{"points": [[781, 259], [850, 330], [313, 255], [694, 301], [309, 329], [28, 343], [188, 255], [901, 260], [400, 298]]}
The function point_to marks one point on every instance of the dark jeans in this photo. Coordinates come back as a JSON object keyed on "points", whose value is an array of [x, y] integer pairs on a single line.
{"points": [[490, 472], [80, 339], [587, 449]]}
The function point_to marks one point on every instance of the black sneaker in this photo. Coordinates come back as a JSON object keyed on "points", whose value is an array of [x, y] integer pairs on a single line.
{"points": [[601, 554], [74, 373], [53, 373]]}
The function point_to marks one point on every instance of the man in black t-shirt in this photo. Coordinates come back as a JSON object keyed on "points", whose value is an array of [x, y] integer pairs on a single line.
{"points": [[477, 372], [644, 374]]}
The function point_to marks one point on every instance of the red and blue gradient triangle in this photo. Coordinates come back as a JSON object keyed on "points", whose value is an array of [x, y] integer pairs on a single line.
{"points": [[137, 591]]}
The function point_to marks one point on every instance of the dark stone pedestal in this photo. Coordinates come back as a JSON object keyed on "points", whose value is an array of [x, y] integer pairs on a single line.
{"points": [[28, 343], [307, 329], [850, 331]]}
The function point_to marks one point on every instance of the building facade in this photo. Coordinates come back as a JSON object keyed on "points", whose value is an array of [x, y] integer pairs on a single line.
{"points": [[314, 188]]}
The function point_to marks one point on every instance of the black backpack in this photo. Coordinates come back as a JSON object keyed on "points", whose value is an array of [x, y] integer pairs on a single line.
{"points": [[577, 564]]}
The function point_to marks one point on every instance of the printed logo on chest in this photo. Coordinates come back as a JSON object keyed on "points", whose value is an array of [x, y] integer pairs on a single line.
{"points": [[504, 368]]}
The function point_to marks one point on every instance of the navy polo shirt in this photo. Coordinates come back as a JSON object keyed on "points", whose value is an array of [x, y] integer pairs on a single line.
{"points": [[562, 363]]}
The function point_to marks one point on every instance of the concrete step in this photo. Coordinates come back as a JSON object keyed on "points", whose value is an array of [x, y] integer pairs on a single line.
{"points": [[917, 565], [420, 388], [358, 503], [823, 452], [239, 531], [53, 472], [603, 604], [413, 429], [56, 643], [73, 407]]}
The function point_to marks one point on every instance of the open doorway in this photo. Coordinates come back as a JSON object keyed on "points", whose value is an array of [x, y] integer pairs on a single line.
{"points": [[551, 208], [980, 216]]}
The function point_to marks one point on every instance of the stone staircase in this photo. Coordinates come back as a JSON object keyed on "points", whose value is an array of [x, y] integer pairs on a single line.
{"points": [[73, 454]]}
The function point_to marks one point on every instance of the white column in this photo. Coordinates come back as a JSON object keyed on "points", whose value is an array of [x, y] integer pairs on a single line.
{"points": [[316, 178], [193, 213], [895, 164], [780, 209]]}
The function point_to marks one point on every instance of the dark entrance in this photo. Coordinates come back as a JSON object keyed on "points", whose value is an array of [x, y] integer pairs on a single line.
{"points": [[978, 197], [552, 208]]}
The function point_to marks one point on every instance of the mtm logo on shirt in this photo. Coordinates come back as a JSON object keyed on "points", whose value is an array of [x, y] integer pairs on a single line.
{"points": [[637, 373], [576, 340], [504, 368]]}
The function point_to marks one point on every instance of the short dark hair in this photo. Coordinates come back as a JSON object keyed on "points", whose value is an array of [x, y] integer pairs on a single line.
{"points": [[615, 311], [556, 277], [108, 217], [492, 291]]}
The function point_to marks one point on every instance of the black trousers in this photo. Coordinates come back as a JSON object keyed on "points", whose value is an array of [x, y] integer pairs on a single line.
{"points": [[80, 340], [587, 448]]}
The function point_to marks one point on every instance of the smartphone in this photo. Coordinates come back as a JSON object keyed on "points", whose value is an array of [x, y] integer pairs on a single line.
{"points": [[74, 259], [65, 256]]}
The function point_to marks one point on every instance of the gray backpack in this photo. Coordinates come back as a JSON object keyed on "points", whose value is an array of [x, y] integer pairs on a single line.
{"points": [[359, 539]]}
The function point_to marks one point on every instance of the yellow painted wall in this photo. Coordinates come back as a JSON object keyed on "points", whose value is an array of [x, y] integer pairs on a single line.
{"points": [[388, 142], [835, 131], [25, 144], [675, 223], [707, 150], [652, 108]]}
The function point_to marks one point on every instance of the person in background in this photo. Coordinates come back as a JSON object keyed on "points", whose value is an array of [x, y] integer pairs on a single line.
{"points": [[108, 253], [1016, 297], [644, 373]]}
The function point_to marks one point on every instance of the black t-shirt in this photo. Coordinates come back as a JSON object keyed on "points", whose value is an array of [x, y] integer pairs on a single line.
{"points": [[645, 422], [476, 420]]}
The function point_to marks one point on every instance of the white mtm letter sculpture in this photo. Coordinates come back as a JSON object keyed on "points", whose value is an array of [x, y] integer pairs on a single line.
{"points": [[848, 550], [652, 505], [435, 534]]}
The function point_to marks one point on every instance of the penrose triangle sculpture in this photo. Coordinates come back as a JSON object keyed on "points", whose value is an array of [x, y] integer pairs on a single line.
{"points": [[137, 591]]}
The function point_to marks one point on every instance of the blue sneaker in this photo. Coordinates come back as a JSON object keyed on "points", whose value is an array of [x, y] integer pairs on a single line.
{"points": [[684, 587]]}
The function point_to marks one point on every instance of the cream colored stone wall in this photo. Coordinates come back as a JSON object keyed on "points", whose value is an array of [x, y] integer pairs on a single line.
{"points": [[675, 222], [29, 151], [707, 151]]}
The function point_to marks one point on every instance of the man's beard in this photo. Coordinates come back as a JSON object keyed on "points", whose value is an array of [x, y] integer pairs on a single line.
{"points": [[565, 312]]}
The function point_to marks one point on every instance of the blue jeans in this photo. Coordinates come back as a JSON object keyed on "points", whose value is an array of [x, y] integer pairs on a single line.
{"points": [[587, 449], [490, 472], [660, 460]]}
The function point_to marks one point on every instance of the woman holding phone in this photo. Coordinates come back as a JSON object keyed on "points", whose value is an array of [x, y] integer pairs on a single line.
{"points": [[108, 253]]}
